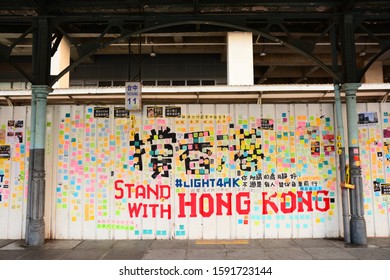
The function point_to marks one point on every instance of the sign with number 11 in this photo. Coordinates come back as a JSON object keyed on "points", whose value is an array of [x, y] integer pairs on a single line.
{"points": [[133, 96]]}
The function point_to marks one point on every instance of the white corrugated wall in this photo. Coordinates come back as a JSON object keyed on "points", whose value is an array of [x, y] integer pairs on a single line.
{"points": [[192, 171]]}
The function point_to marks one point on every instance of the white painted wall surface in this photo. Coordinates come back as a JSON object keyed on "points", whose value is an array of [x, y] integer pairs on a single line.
{"points": [[239, 59]]}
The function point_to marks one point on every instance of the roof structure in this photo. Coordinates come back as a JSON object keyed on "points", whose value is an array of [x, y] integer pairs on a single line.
{"points": [[295, 42]]}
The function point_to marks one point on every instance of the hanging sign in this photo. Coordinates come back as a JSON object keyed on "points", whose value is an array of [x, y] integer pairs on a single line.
{"points": [[133, 96]]}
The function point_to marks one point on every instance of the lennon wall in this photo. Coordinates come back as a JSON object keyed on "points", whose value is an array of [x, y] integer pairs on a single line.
{"points": [[196, 171]]}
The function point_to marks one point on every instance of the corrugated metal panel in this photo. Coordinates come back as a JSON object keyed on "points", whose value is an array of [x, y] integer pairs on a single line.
{"points": [[192, 171]]}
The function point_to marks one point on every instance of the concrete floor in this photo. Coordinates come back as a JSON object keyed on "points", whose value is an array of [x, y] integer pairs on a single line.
{"points": [[254, 249]]}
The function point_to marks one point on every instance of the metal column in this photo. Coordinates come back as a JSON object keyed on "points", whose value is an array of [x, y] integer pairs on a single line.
{"points": [[342, 163], [340, 138], [350, 87], [30, 165], [35, 232], [357, 223], [36, 224]]}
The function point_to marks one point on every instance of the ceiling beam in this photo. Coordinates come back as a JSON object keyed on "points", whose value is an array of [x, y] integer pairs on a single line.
{"points": [[307, 74], [264, 77]]}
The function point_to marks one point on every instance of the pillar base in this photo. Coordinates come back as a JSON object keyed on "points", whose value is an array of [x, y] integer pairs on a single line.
{"points": [[36, 236], [358, 231]]}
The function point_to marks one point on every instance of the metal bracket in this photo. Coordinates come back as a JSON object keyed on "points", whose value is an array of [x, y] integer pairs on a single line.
{"points": [[9, 101]]}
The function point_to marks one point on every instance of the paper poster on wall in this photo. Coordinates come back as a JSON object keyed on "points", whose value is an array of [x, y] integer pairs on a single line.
{"points": [[377, 186], [10, 131], [385, 189], [2, 136], [101, 112], [386, 133], [313, 130], [329, 150], [5, 151], [172, 112], [267, 124], [329, 147], [368, 118], [315, 148], [14, 131], [4, 185], [154, 112], [121, 112]]}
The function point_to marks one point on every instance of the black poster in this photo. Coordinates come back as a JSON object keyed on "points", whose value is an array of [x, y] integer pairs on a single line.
{"points": [[101, 112], [121, 113]]}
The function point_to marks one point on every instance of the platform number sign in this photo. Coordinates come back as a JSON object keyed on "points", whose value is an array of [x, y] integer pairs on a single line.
{"points": [[133, 96]]}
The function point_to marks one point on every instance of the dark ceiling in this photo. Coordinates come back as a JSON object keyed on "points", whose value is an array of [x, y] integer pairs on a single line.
{"points": [[291, 33]]}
